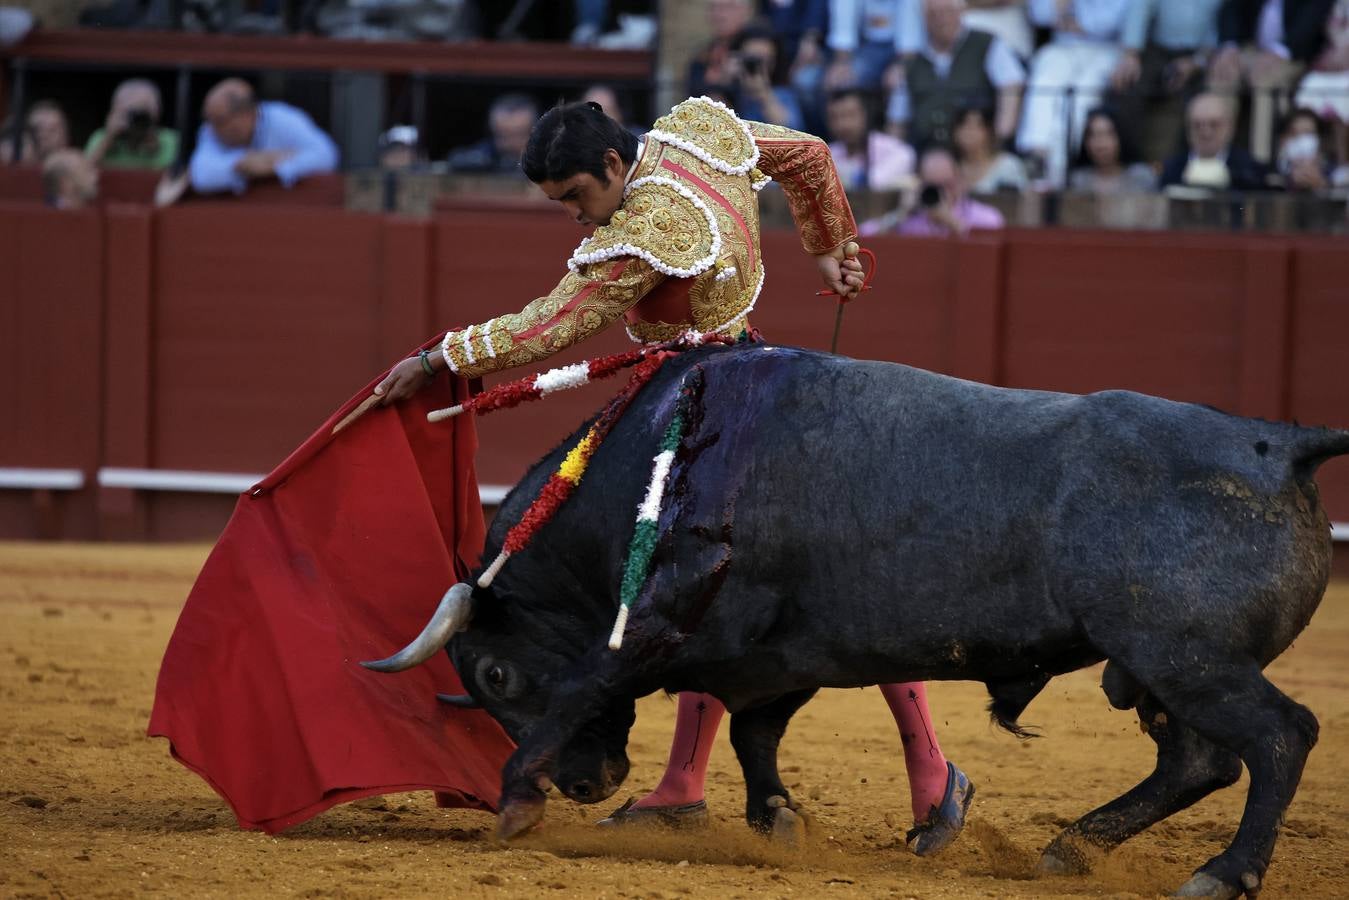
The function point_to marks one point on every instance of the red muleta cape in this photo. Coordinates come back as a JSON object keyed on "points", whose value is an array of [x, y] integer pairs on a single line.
{"points": [[341, 554]]}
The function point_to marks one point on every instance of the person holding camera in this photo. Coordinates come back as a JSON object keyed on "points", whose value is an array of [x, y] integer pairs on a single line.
{"points": [[131, 137], [943, 206], [757, 86]]}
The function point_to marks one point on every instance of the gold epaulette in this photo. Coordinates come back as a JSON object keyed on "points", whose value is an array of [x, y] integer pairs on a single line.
{"points": [[662, 222], [710, 131]]}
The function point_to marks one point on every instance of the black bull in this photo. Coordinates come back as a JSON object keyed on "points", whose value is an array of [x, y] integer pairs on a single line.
{"points": [[836, 523]]}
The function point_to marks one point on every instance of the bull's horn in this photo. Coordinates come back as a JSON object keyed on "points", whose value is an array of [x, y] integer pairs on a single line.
{"points": [[452, 615], [463, 701]]}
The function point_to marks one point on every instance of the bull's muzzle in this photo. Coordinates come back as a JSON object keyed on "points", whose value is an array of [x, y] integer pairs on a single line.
{"points": [[452, 615]]}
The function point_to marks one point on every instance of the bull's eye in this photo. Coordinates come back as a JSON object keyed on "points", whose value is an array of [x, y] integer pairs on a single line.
{"points": [[499, 678]]}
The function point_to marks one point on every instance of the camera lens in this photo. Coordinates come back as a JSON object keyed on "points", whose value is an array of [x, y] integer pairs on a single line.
{"points": [[139, 119], [930, 196]]}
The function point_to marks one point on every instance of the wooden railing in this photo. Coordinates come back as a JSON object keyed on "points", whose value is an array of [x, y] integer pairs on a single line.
{"points": [[467, 59]]}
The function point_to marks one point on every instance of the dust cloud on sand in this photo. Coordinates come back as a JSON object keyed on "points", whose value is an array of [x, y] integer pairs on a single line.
{"points": [[90, 807]]}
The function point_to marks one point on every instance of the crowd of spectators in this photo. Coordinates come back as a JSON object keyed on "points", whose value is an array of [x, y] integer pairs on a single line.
{"points": [[942, 100], [1092, 96], [241, 140]]}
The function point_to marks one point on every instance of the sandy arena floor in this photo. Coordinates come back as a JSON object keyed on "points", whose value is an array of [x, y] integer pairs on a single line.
{"points": [[90, 807]]}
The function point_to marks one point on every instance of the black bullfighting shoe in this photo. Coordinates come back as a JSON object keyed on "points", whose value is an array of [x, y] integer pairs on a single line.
{"points": [[690, 815], [944, 822]]}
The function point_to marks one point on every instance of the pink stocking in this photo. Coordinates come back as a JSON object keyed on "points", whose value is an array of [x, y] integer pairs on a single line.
{"points": [[695, 731], [922, 754]]}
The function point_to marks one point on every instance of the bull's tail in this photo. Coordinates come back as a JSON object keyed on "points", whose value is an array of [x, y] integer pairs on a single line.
{"points": [[1314, 446], [1009, 699]]}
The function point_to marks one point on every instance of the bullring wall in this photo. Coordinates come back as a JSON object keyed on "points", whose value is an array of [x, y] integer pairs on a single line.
{"points": [[201, 343]]}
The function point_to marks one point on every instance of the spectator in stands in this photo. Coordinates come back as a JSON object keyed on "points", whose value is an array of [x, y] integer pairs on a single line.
{"points": [[1302, 161], [1080, 58], [1006, 19], [1266, 45], [9, 130], [131, 137], [956, 68], [865, 158], [400, 149], [47, 128], [15, 23], [635, 21], [1212, 161], [69, 180], [801, 26], [245, 140], [757, 86], [984, 166], [726, 19], [944, 208], [944, 205], [1325, 90], [613, 107], [869, 39], [590, 16], [1108, 162], [1166, 49], [509, 120]]}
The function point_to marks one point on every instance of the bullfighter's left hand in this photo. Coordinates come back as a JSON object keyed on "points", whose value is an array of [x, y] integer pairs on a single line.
{"points": [[404, 380], [841, 274]]}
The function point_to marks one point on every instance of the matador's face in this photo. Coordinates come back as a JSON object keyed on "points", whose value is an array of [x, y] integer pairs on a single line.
{"points": [[589, 200]]}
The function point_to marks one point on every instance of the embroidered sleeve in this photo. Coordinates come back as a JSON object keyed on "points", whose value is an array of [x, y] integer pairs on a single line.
{"points": [[802, 165], [585, 301]]}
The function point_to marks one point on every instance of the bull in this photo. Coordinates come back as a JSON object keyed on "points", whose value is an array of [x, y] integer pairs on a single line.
{"points": [[838, 523]]}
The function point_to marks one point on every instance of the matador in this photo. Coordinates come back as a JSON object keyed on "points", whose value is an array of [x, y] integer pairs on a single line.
{"points": [[677, 248]]}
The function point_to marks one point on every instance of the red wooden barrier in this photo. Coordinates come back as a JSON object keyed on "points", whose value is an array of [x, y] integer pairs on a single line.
{"points": [[257, 317], [1317, 391], [224, 332], [51, 360]]}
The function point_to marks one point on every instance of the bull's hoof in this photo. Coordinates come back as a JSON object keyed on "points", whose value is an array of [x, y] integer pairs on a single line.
{"points": [[519, 816], [944, 822], [690, 815], [789, 826], [1052, 864], [1205, 885], [1063, 857]]}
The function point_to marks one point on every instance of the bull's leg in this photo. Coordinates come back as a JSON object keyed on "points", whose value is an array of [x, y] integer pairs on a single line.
{"points": [[1189, 768], [755, 735], [1228, 701]]}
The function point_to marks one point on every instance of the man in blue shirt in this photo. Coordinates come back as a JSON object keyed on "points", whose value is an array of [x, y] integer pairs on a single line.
{"points": [[1166, 49], [1081, 56], [244, 140]]}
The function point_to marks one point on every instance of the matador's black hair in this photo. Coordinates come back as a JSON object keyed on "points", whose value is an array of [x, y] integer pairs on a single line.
{"points": [[571, 138]]}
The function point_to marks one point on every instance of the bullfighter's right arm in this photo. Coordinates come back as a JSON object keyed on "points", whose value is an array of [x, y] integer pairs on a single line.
{"points": [[584, 302], [660, 232]]}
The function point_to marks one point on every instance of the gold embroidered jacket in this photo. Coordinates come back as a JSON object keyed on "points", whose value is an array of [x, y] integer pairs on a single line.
{"points": [[683, 250]]}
